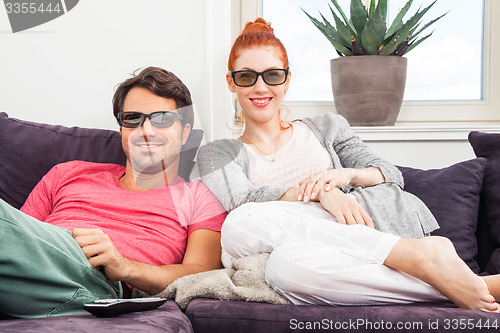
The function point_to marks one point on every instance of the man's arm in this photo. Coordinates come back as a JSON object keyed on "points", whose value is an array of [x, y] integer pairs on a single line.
{"points": [[203, 253], [39, 203]]}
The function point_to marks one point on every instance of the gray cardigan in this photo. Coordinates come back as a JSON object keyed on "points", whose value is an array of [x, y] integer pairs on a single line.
{"points": [[223, 166]]}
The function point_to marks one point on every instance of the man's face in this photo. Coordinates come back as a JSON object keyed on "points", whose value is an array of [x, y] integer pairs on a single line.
{"points": [[149, 149]]}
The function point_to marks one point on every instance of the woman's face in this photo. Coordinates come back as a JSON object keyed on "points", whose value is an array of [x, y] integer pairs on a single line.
{"points": [[260, 102]]}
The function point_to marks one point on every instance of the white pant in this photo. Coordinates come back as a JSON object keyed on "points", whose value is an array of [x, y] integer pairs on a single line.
{"points": [[315, 260]]}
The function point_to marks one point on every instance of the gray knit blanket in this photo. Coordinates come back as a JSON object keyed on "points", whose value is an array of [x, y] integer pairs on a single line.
{"points": [[243, 281]]}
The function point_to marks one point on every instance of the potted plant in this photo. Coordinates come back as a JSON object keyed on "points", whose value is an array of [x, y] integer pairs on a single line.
{"points": [[369, 76]]}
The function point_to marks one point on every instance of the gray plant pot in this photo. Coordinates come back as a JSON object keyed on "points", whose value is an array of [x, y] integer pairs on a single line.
{"points": [[368, 90]]}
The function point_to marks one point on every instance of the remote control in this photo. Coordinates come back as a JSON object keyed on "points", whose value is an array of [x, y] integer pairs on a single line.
{"points": [[117, 306]]}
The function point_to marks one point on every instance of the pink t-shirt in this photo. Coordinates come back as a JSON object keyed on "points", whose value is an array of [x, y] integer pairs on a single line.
{"points": [[147, 226]]}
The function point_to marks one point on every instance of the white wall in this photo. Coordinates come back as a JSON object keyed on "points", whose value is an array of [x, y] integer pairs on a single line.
{"points": [[65, 71], [422, 147], [423, 154]]}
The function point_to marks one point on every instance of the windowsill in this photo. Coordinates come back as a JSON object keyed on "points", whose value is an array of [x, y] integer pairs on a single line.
{"points": [[419, 121], [421, 133], [446, 116]]}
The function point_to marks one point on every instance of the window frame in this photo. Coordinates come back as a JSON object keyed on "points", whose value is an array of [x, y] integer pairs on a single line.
{"points": [[473, 114]]}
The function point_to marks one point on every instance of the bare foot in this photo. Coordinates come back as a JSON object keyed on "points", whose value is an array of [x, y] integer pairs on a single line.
{"points": [[493, 284], [435, 261]]}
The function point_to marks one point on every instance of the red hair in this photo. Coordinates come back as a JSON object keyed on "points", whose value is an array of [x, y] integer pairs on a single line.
{"points": [[255, 34]]}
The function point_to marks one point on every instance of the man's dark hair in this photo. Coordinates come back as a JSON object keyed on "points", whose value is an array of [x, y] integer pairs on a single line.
{"points": [[161, 83]]}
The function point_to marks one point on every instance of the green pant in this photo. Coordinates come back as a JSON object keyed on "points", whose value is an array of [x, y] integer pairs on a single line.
{"points": [[43, 271]]}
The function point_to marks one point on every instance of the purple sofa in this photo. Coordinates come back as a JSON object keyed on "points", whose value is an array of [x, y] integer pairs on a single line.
{"points": [[463, 197]]}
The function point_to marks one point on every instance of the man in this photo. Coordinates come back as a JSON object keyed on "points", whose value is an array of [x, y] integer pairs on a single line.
{"points": [[89, 230]]}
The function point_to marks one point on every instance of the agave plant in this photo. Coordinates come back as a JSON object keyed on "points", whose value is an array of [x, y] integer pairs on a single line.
{"points": [[366, 32]]}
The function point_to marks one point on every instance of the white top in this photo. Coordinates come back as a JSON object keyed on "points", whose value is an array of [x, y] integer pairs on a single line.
{"points": [[285, 171]]}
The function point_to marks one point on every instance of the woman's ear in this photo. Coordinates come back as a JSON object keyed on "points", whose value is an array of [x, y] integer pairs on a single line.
{"points": [[230, 83], [287, 82]]}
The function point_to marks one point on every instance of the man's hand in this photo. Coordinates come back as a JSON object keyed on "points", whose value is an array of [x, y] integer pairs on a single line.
{"points": [[345, 209], [102, 253], [202, 254]]}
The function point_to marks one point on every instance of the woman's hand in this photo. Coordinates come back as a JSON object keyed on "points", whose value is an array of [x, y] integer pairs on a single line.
{"points": [[329, 179], [345, 209]]}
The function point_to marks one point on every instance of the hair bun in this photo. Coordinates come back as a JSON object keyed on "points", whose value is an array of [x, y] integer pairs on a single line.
{"points": [[256, 34], [259, 25]]}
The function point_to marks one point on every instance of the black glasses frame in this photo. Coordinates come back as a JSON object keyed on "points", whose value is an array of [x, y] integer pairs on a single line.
{"points": [[143, 116], [233, 75]]}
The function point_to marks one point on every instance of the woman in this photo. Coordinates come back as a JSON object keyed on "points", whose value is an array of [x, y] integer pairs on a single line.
{"points": [[332, 215]]}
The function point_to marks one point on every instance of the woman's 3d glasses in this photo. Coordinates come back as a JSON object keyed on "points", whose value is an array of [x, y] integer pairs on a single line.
{"points": [[247, 78]]}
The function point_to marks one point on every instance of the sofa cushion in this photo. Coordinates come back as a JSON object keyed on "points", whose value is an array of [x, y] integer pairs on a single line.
{"points": [[452, 195], [167, 318], [487, 145], [29, 150], [221, 316]]}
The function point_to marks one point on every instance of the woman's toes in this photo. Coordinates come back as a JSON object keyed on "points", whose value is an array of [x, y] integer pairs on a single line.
{"points": [[490, 307]]}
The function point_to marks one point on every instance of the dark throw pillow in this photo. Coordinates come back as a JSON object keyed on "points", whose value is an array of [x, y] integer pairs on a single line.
{"points": [[487, 145], [29, 150], [452, 195]]}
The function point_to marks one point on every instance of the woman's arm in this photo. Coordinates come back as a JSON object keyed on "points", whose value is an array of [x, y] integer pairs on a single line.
{"points": [[354, 153], [292, 194], [328, 179], [347, 149], [344, 208]]}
